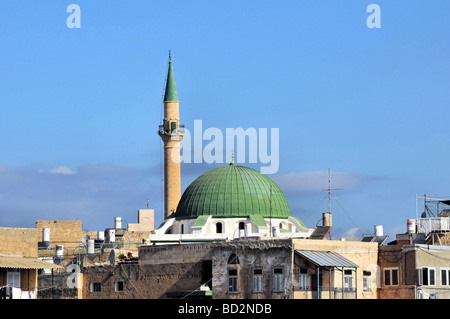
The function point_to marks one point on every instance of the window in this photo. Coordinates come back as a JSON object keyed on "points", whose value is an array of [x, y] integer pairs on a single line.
{"points": [[219, 228], [233, 260], [391, 276], [367, 281], [13, 277], [257, 280], [445, 276], [118, 286], [348, 280], [278, 279], [95, 286], [427, 276], [233, 274], [303, 279], [232, 281]]}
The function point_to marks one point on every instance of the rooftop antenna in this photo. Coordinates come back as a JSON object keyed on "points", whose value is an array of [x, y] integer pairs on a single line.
{"points": [[329, 189], [329, 195]]}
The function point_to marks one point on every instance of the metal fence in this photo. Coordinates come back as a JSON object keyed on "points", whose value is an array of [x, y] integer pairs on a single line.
{"points": [[433, 224]]}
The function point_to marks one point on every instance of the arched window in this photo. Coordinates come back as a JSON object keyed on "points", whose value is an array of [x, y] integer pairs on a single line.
{"points": [[233, 259], [219, 228], [241, 225]]}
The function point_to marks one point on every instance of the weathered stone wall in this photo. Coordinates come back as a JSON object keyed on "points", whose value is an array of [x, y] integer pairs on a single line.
{"points": [[19, 241], [176, 253], [251, 254], [68, 233], [55, 286], [143, 281], [134, 236], [146, 221], [397, 292], [161, 269]]}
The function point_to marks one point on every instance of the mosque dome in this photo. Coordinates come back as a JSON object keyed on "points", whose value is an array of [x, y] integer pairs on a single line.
{"points": [[232, 191]]}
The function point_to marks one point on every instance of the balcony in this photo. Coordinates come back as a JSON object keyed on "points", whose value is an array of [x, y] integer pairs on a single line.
{"points": [[166, 130], [433, 224], [324, 293]]}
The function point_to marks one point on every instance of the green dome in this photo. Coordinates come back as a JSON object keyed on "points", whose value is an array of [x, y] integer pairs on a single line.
{"points": [[232, 191]]}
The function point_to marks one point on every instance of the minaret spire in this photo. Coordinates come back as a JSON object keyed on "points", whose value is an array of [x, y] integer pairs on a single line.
{"points": [[171, 88], [171, 132]]}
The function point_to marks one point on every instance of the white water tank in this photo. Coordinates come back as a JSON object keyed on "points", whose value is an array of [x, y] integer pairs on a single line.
{"points": [[117, 222], [90, 246], [101, 235], [110, 235], [378, 230], [46, 234], [59, 250], [411, 226]]}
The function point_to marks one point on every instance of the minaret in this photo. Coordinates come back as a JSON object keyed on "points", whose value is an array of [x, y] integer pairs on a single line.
{"points": [[171, 132]]}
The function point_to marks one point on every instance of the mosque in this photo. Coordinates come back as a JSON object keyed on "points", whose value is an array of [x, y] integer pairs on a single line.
{"points": [[225, 203]]}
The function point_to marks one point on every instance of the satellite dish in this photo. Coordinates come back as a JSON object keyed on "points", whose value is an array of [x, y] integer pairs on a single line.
{"points": [[85, 239], [112, 257]]}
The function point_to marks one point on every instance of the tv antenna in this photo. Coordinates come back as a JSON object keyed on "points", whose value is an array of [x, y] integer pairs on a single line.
{"points": [[329, 189]]}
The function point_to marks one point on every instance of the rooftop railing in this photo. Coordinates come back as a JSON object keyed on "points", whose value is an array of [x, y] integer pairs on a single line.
{"points": [[433, 224]]}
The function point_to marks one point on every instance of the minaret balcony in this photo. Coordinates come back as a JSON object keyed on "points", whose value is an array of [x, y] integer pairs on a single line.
{"points": [[171, 131]]}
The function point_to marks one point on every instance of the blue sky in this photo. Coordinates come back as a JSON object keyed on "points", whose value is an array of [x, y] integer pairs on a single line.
{"points": [[80, 107]]}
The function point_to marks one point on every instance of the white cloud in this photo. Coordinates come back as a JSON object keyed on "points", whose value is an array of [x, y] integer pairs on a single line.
{"points": [[64, 170], [353, 233]]}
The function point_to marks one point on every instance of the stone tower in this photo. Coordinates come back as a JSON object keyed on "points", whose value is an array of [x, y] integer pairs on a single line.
{"points": [[171, 132]]}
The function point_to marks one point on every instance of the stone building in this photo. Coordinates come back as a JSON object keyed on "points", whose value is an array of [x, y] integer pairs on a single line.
{"points": [[253, 269], [160, 272], [74, 249], [415, 271], [416, 265], [19, 263], [246, 268]]}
